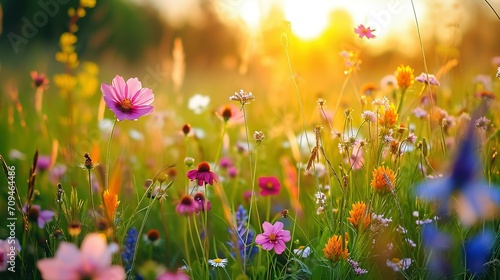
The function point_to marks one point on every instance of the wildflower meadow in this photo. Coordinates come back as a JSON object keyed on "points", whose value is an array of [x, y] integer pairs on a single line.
{"points": [[238, 139]]}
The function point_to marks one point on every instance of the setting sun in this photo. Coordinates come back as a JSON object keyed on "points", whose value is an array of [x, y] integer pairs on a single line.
{"points": [[308, 19]]}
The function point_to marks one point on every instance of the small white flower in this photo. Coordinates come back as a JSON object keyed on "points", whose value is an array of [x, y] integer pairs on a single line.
{"points": [[302, 251], [415, 214], [198, 103], [218, 262], [136, 135], [412, 244]]}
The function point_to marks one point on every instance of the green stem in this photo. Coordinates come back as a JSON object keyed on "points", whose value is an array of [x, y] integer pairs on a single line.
{"points": [[92, 197], [109, 153]]}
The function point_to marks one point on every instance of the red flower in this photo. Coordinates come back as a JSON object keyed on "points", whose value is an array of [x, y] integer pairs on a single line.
{"points": [[203, 175], [269, 185]]}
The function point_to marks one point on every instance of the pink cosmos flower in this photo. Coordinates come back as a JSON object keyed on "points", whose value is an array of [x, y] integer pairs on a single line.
{"points": [[364, 31], [93, 261], [274, 237], [35, 214], [203, 175], [269, 185], [129, 100]]}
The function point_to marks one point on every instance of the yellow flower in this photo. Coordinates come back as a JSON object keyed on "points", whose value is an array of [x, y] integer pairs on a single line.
{"points": [[67, 39], [65, 82], [358, 214], [89, 84], [333, 249], [405, 77], [388, 116], [383, 179], [87, 3], [111, 202]]}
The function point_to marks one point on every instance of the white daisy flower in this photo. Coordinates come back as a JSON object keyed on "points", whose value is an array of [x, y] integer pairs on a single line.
{"points": [[218, 262], [198, 103], [302, 251]]}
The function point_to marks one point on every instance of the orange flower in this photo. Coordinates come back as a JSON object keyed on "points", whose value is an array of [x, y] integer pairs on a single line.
{"points": [[405, 77], [383, 179], [111, 202], [333, 249], [359, 213], [388, 116]]}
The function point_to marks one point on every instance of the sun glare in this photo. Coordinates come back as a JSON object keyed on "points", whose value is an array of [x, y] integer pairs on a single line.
{"points": [[308, 18]]}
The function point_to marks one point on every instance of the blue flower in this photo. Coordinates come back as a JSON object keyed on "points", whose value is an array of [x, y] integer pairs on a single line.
{"points": [[474, 198], [245, 246], [436, 244], [129, 248], [478, 251]]}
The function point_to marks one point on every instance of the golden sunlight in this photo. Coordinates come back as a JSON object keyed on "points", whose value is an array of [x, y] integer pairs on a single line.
{"points": [[308, 19]]}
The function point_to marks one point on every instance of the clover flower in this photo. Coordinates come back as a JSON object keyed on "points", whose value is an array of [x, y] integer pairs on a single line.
{"points": [[242, 97]]}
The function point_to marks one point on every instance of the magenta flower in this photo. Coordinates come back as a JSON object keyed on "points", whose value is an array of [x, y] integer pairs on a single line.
{"points": [[129, 100], [203, 175], [93, 261], [274, 237], [36, 215], [187, 205], [364, 31], [43, 163], [269, 185]]}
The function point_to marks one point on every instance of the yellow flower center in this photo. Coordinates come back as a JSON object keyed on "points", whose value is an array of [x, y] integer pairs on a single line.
{"points": [[269, 185], [217, 260], [126, 105], [272, 236]]}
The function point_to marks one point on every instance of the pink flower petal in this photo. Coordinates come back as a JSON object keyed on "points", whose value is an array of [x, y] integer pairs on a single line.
{"points": [[144, 96], [94, 252], [268, 227], [132, 87], [56, 269], [261, 239], [279, 247], [119, 84], [278, 226], [268, 246], [285, 235], [112, 273]]}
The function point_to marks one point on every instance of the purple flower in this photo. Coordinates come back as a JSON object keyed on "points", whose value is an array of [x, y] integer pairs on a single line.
{"points": [[269, 185], [274, 237], [427, 79], [43, 163], [203, 175], [36, 215], [57, 172], [129, 101], [225, 162]]}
